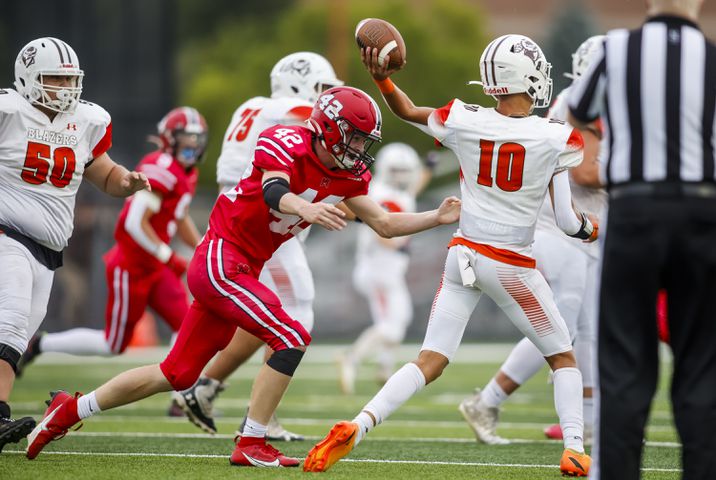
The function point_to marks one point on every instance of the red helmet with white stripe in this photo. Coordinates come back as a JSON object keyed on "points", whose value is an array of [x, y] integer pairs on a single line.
{"points": [[184, 133], [347, 121]]}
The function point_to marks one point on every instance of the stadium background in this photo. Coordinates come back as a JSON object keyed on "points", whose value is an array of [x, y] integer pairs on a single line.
{"points": [[142, 57]]}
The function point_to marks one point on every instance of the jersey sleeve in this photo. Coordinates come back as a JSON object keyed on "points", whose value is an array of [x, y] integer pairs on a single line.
{"points": [[439, 125], [101, 133], [156, 168], [271, 153], [573, 151]]}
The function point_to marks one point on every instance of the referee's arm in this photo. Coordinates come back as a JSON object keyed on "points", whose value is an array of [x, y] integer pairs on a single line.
{"points": [[587, 95]]}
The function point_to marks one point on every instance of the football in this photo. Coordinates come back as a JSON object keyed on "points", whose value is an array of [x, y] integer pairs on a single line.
{"points": [[377, 33]]}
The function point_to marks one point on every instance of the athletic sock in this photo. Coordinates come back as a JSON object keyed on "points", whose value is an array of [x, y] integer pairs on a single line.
{"points": [[588, 411], [87, 405], [78, 341], [524, 361], [254, 429], [404, 383], [364, 344], [493, 395], [568, 403]]}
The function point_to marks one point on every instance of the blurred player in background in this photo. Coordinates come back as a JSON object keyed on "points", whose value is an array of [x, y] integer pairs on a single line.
{"points": [[381, 264], [298, 175], [296, 82], [141, 269], [570, 267], [509, 159], [50, 141]]}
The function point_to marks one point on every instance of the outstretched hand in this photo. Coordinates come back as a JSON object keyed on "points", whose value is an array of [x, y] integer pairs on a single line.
{"points": [[134, 182], [449, 210], [369, 57], [324, 214]]}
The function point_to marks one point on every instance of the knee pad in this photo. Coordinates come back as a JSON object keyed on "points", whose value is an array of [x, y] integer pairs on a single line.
{"points": [[285, 361], [10, 355]]}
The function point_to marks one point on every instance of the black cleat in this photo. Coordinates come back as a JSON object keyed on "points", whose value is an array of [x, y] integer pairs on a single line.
{"points": [[32, 351], [12, 431]]}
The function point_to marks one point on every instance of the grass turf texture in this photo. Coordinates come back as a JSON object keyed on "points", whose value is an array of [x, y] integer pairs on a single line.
{"points": [[427, 438]]}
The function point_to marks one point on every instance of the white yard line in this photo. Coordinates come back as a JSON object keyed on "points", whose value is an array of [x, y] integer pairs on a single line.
{"points": [[345, 460]]}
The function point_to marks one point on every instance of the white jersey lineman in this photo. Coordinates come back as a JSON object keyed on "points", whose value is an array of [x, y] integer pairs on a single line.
{"points": [[287, 272], [506, 166], [41, 167], [380, 270]]}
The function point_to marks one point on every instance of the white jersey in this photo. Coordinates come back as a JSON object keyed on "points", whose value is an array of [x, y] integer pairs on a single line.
{"points": [[506, 165], [586, 199], [249, 120], [42, 163], [393, 200]]}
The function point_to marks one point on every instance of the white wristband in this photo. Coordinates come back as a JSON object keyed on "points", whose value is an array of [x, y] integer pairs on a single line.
{"points": [[163, 253]]}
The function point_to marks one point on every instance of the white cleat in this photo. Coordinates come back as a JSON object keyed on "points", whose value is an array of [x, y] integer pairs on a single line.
{"points": [[482, 419], [347, 372]]}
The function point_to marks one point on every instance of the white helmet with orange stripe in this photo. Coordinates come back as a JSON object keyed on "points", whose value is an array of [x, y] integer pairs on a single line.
{"points": [[398, 165], [303, 75]]}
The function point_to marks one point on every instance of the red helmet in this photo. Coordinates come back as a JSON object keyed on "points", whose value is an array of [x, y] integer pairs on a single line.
{"points": [[184, 133], [348, 123]]}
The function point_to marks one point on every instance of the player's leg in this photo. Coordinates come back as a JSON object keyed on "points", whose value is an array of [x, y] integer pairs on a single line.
{"points": [[23, 281], [452, 307], [524, 295]]}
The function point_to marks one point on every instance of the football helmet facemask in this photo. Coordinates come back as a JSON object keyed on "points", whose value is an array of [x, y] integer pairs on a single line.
{"points": [[302, 75], [45, 57], [347, 122], [184, 133], [515, 64]]}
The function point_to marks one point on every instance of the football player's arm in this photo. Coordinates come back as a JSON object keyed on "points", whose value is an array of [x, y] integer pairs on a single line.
{"points": [[114, 179], [187, 231], [397, 100], [571, 221], [389, 225], [278, 196], [587, 172], [144, 205]]}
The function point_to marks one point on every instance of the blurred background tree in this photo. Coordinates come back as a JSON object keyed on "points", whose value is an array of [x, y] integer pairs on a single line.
{"points": [[444, 40]]}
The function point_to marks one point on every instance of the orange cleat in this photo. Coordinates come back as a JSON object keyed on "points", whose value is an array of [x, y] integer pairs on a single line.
{"points": [[337, 444], [574, 464]]}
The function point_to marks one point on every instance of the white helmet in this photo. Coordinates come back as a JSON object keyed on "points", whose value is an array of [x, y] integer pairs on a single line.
{"points": [[582, 58], [398, 165], [515, 64], [304, 75], [48, 56]]}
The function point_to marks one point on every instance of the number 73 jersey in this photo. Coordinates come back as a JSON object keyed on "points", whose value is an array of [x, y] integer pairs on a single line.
{"points": [[506, 164], [42, 163]]}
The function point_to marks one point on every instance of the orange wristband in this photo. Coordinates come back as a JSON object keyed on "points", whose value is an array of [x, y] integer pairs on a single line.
{"points": [[385, 86]]}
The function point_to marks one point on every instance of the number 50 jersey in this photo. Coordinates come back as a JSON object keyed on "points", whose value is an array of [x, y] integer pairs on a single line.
{"points": [[506, 164], [242, 217], [42, 163]]}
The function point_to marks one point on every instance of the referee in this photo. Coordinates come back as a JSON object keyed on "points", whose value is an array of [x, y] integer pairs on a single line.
{"points": [[655, 91]]}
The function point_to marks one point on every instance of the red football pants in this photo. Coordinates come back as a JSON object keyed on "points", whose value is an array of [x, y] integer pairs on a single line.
{"points": [[130, 292], [227, 295]]}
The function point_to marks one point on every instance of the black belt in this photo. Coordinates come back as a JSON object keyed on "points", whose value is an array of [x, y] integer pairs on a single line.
{"points": [[52, 259], [663, 189]]}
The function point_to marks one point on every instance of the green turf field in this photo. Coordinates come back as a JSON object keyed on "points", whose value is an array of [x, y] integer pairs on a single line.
{"points": [[427, 438]]}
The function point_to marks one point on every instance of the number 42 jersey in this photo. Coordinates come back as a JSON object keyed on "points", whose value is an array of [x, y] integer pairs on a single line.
{"points": [[506, 164], [242, 217], [42, 163]]}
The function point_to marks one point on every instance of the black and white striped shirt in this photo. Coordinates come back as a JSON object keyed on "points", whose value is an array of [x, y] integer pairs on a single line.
{"points": [[655, 90]]}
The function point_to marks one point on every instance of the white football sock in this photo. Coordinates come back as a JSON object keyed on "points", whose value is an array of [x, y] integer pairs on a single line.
{"points": [[78, 341], [588, 412], [87, 405], [253, 428], [524, 361], [493, 395], [568, 403], [404, 383]]}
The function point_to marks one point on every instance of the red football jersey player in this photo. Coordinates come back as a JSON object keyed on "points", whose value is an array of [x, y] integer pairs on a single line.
{"points": [[141, 268], [298, 175]]}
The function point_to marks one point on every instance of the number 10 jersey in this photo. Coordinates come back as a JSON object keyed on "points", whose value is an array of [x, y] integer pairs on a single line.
{"points": [[506, 165]]}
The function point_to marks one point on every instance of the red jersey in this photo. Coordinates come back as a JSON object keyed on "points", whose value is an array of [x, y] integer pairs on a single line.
{"points": [[241, 216], [176, 186]]}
